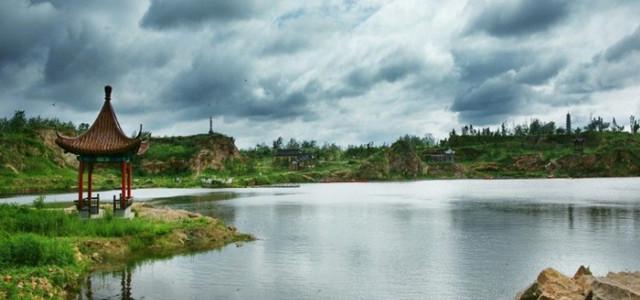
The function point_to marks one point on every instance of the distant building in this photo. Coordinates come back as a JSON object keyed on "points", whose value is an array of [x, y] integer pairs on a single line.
{"points": [[296, 158], [448, 156], [210, 125]]}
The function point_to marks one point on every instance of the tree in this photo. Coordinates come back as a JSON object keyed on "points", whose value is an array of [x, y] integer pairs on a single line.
{"points": [[19, 121], [548, 128], [277, 144], [83, 127], [615, 127], [597, 124], [535, 127], [633, 124], [293, 144]]}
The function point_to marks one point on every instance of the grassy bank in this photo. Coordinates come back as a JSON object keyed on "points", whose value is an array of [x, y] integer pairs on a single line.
{"points": [[45, 252]]}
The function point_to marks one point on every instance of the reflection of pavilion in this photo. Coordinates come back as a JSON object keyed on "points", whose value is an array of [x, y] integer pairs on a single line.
{"points": [[103, 143], [125, 287]]}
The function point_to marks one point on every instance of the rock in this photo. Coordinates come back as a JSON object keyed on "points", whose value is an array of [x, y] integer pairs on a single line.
{"points": [[552, 166], [96, 257], [553, 285], [584, 278], [623, 285]]}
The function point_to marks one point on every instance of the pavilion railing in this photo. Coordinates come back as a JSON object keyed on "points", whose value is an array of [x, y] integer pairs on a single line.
{"points": [[118, 203], [89, 204]]}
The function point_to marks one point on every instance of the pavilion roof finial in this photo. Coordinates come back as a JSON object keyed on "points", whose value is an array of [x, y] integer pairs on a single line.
{"points": [[107, 92]]}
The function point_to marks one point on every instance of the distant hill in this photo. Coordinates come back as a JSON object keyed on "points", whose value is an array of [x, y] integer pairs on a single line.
{"points": [[31, 162]]}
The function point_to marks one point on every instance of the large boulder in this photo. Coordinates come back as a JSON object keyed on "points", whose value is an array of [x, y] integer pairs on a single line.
{"points": [[622, 285], [553, 285]]}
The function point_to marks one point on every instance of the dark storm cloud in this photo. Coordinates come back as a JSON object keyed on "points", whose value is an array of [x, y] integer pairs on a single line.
{"points": [[480, 64], [492, 101], [304, 65], [392, 68], [497, 81], [540, 70], [223, 85], [167, 14], [81, 62], [613, 68], [83, 54], [288, 43], [624, 47], [25, 31], [513, 18]]}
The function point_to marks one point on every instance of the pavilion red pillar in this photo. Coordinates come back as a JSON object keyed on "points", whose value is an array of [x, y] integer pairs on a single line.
{"points": [[80, 180], [129, 175], [90, 182], [124, 174]]}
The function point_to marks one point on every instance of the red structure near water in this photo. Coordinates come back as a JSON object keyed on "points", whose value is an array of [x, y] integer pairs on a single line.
{"points": [[104, 143]]}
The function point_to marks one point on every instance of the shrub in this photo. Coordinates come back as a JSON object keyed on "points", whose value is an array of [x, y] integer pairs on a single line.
{"points": [[39, 202]]}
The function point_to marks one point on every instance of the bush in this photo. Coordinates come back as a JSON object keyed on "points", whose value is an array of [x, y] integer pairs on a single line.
{"points": [[39, 202], [33, 250]]}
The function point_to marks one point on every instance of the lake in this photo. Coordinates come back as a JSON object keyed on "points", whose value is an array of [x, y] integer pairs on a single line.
{"points": [[440, 239]]}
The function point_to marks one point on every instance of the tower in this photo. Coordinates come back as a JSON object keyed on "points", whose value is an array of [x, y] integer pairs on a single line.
{"points": [[210, 125], [568, 124]]}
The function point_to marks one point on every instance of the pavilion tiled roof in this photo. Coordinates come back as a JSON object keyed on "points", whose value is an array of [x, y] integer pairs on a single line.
{"points": [[104, 137]]}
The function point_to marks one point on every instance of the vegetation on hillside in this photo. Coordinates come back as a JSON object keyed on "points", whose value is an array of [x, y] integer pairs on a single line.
{"points": [[30, 161]]}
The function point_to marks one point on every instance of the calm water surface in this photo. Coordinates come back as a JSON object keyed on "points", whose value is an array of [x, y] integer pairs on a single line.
{"points": [[460, 239]]}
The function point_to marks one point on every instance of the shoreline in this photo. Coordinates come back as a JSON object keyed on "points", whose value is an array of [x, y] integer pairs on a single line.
{"points": [[170, 232], [4, 196]]}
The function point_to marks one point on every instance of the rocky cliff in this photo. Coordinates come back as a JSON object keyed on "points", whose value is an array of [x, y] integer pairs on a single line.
{"points": [[190, 154]]}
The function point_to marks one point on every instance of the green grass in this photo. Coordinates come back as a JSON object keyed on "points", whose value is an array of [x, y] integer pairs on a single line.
{"points": [[39, 246], [28, 249], [56, 223]]}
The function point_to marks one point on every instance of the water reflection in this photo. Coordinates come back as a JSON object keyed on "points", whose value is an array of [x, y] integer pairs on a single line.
{"points": [[422, 240], [124, 289]]}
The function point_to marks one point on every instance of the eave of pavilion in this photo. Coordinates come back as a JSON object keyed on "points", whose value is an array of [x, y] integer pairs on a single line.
{"points": [[104, 141]]}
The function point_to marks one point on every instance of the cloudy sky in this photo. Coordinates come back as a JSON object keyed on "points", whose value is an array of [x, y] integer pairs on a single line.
{"points": [[342, 71]]}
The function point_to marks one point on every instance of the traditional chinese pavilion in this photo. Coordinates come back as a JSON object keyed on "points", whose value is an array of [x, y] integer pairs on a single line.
{"points": [[104, 143]]}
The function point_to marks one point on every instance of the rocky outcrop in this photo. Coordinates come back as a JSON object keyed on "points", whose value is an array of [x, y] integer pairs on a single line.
{"points": [[529, 162], [374, 168], [553, 285], [403, 159], [623, 285], [213, 153], [61, 158], [197, 154]]}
